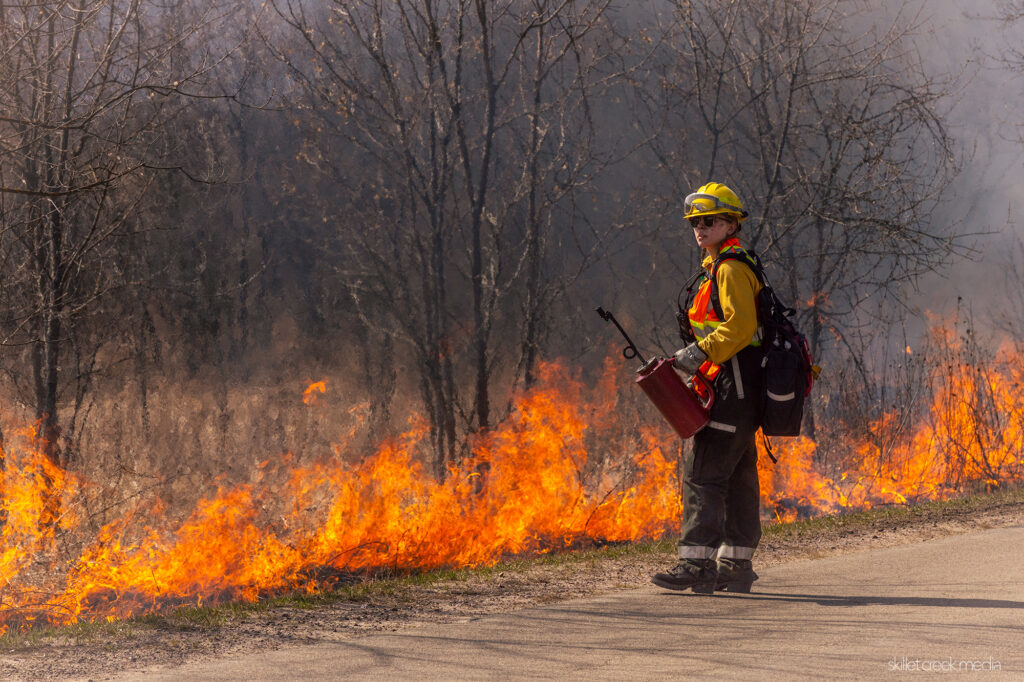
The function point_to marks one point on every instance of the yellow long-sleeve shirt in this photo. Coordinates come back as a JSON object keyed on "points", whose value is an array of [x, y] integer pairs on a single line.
{"points": [[737, 292]]}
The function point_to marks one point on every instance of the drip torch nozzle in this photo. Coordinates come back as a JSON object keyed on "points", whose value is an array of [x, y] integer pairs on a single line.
{"points": [[630, 351]]}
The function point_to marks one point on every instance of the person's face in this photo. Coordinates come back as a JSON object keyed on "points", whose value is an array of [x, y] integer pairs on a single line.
{"points": [[711, 230]]}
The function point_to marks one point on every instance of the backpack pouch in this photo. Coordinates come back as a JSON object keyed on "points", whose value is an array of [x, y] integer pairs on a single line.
{"points": [[784, 389]]}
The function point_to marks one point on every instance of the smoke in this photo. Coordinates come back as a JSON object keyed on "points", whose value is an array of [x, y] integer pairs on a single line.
{"points": [[971, 44]]}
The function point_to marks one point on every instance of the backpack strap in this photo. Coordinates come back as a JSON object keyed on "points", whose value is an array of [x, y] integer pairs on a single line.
{"points": [[691, 282], [752, 261], [768, 448], [682, 316]]}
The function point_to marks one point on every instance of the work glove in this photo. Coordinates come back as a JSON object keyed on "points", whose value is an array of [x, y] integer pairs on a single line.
{"points": [[688, 360]]}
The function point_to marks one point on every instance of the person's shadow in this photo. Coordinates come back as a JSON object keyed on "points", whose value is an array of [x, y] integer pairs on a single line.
{"points": [[867, 600]]}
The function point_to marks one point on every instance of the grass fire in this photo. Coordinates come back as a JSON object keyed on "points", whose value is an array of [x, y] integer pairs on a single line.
{"points": [[574, 464]]}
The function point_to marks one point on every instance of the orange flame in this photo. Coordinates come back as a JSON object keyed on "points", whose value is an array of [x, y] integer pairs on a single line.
{"points": [[309, 395], [571, 464]]}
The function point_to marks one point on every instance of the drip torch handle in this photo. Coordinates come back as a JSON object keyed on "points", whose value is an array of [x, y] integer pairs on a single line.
{"points": [[708, 391], [630, 351]]}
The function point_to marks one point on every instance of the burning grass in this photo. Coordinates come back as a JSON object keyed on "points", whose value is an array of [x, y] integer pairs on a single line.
{"points": [[569, 468], [384, 601]]}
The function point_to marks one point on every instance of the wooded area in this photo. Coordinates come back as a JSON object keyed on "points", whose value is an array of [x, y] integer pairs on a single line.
{"points": [[425, 199]]}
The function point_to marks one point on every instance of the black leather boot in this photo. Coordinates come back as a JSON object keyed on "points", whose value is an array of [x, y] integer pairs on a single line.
{"points": [[735, 575], [698, 575]]}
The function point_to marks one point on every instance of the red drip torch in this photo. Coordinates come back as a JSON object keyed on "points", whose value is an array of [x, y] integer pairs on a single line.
{"points": [[676, 401]]}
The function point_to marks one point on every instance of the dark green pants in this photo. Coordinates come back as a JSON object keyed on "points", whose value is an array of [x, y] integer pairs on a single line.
{"points": [[721, 498]]}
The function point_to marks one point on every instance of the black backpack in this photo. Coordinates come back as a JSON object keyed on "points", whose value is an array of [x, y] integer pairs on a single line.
{"points": [[789, 370]]}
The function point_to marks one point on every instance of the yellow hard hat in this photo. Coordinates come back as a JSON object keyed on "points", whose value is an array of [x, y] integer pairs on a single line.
{"points": [[714, 198]]}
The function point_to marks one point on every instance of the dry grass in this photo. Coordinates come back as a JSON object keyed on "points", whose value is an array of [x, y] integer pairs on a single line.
{"points": [[187, 439]]}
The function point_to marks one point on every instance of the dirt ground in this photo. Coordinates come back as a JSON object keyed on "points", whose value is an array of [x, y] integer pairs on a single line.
{"points": [[136, 644]]}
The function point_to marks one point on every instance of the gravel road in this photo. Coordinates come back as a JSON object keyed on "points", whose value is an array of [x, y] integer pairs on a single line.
{"points": [[926, 607]]}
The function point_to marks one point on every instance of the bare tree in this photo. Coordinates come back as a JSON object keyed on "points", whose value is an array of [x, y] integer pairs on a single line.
{"points": [[464, 133], [87, 88]]}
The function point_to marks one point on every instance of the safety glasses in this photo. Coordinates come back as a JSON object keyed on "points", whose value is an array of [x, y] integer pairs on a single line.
{"points": [[707, 202], [708, 220]]}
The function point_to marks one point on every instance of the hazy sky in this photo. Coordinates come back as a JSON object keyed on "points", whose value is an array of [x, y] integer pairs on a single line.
{"points": [[985, 118]]}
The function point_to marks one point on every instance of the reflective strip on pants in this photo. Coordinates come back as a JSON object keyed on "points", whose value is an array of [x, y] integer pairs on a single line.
{"points": [[730, 552], [697, 552], [722, 427]]}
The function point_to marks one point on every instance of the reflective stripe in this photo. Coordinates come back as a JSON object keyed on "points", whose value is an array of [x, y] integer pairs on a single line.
{"points": [[737, 377], [730, 552], [722, 427], [781, 398], [696, 552], [732, 248]]}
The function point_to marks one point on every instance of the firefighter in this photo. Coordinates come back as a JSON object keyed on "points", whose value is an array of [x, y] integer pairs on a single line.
{"points": [[721, 519]]}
